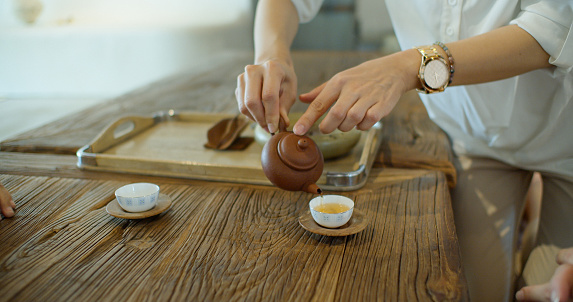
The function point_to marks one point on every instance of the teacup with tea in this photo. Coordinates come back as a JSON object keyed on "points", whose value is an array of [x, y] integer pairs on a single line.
{"points": [[331, 211]]}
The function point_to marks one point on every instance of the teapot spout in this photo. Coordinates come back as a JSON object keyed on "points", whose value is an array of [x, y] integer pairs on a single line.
{"points": [[313, 188]]}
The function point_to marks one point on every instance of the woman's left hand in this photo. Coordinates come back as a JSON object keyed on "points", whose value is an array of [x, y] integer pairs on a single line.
{"points": [[362, 95]]}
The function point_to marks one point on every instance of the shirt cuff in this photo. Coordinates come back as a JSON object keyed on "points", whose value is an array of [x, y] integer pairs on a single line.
{"points": [[552, 28], [307, 9]]}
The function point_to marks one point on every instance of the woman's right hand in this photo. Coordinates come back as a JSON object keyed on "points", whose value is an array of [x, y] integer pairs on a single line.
{"points": [[267, 90]]}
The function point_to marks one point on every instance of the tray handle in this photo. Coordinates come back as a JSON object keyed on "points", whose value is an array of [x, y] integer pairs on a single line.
{"points": [[120, 131], [374, 139], [353, 180]]}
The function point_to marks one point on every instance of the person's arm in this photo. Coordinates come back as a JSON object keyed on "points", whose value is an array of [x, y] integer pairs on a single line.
{"points": [[7, 205], [276, 24], [268, 87], [499, 54], [362, 95]]}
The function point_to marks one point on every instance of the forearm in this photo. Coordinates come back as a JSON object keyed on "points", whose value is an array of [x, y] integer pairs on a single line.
{"points": [[503, 53], [276, 24], [360, 96]]}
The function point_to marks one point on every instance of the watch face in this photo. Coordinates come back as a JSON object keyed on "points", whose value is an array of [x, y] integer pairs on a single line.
{"points": [[436, 74]]}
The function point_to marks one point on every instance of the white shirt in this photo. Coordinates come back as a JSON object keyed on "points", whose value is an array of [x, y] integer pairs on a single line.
{"points": [[526, 121]]}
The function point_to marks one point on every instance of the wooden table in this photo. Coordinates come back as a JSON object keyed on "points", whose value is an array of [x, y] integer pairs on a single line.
{"points": [[225, 241]]}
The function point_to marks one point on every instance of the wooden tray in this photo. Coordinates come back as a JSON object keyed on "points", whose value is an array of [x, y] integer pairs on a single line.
{"points": [[171, 143]]}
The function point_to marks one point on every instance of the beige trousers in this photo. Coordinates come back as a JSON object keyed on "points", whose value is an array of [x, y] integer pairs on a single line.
{"points": [[488, 204]]}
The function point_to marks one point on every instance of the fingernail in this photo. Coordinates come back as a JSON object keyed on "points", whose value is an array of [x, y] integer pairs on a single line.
{"points": [[298, 129], [554, 296], [9, 212], [519, 295], [272, 128]]}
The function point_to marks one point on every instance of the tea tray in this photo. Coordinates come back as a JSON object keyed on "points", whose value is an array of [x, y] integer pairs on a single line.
{"points": [[171, 143]]}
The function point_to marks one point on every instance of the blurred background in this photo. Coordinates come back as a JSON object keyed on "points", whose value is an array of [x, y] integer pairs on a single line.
{"points": [[60, 56]]}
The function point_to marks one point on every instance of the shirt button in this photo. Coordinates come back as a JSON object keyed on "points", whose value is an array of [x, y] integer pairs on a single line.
{"points": [[450, 30], [452, 2]]}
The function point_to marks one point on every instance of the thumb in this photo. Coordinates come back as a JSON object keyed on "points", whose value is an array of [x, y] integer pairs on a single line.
{"points": [[534, 293], [562, 283]]}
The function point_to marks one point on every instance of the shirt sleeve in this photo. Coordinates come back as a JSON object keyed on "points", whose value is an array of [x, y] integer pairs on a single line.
{"points": [[307, 9], [550, 23]]}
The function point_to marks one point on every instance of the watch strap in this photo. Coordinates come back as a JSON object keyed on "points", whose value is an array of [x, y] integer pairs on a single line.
{"points": [[430, 53]]}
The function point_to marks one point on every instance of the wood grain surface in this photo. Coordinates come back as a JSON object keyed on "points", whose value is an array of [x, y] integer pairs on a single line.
{"points": [[222, 241], [411, 138], [226, 242]]}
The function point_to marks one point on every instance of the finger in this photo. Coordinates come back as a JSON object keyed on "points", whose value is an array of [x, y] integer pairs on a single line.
{"points": [[316, 109], [287, 99], [562, 283], [7, 205], [345, 114], [372, 116], [361, 113], [240, 96], [534, 293], [270, 94], [382, 107], [285, 118], [311, 95], [253, 86], [565, 256], [7, 211]]}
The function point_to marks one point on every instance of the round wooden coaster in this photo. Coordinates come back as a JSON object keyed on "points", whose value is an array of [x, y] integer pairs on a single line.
{"points": [[357, 223], [114, 209]]}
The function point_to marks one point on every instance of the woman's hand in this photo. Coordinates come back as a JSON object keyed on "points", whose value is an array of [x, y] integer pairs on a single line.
{"points": [[265, 91], [560, 288], [7, 205], [362, 95]]}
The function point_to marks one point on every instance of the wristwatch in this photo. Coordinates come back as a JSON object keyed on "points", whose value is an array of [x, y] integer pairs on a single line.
{"points": [[434, 73]]}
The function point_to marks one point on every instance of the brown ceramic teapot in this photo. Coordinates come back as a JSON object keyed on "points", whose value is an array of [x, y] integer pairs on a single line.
{"points": [[292, 162]]}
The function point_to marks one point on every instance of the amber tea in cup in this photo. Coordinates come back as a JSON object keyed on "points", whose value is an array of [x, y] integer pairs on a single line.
{"points": [[331, 211], [332, 208]]}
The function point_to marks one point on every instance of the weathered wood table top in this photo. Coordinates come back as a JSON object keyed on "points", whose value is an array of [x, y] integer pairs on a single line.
{"points": [[224, 241]]}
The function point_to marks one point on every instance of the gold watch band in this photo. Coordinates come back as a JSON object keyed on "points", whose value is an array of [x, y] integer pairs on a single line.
{"points": [[429, 53]]}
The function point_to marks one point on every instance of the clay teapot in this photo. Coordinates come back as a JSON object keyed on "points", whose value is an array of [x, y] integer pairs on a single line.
{"points": [[292, 162]]}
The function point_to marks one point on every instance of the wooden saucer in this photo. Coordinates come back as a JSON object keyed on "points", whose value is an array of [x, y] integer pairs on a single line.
{"points": [[357, 223], [114, 209]]}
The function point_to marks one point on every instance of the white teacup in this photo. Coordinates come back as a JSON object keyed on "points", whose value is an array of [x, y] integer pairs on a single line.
{"points": [[331, 211], [137, 197]]}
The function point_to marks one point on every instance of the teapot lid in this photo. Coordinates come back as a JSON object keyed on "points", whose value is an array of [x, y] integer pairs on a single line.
{"points": [[298, 152]]}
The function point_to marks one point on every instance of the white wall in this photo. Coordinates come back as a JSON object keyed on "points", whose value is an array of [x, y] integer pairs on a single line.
{"points": [[103, 48], [373, 18], [130, 12]]}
